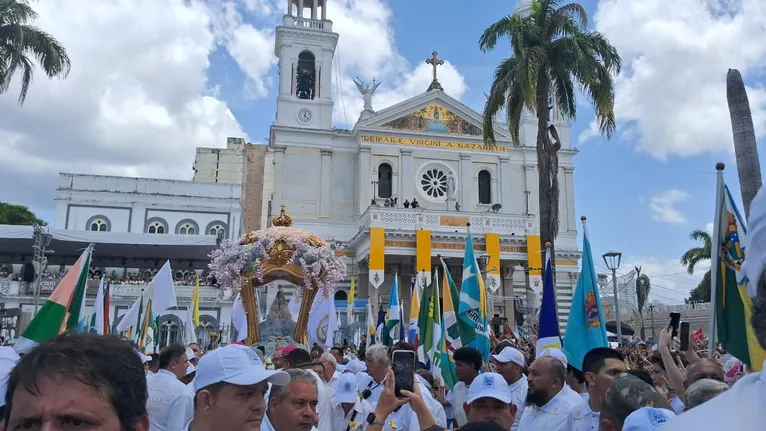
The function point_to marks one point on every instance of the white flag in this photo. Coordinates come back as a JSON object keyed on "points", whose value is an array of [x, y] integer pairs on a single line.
{"points": [[130, 318], [239, 318], [190, 334], [322, 322], [98, 321], [162, 291]]}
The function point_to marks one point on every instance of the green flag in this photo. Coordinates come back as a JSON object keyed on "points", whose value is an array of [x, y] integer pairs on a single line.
{"points": [[429, 324]]}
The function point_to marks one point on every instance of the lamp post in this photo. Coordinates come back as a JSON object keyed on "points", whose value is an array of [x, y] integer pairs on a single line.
{"points": [[612, 260]]}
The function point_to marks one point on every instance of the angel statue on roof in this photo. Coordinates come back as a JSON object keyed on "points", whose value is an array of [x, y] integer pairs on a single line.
{"points": [[367, 91]]}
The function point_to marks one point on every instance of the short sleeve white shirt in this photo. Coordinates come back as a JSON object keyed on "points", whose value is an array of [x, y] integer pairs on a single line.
{"points": [[519, 391], [550, 417], [170, 404], [459, 396], [583, 418]]}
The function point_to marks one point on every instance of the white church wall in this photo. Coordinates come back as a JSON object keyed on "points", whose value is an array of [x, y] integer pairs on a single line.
{"points": [[80, 217], [201, 220], [344, 177], [302, 177]]}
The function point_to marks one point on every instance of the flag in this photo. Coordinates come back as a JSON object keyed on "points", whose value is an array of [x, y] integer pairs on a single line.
{"points": [[61, 311], [380, 325], [190, 333], [472, 309], [161, 291], [548, 334], [733, 304], [195, 305], [394, 315], [100, 319], [429, 321], [586, 328], [322, 322], [351, 299], [412, 336], [370, 324], [450, 334], [401, 325], [239, 318]]}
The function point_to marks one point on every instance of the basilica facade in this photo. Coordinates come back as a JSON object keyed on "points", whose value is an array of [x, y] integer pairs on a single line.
{"points": [[401, 190]]}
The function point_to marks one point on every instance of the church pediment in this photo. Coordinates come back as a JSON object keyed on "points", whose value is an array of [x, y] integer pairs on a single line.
{"points": [[433, 112]]}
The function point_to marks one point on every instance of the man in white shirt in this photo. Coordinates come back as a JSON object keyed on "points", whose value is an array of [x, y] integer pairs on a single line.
{"points": [[293, 406], [378, 363], [548, 405], [8, 358], [331, 373], [567, 391], [349, 411], [490, 400], [468, 363], [170, 404], [230, 384], [600, 365], [509, 363]]}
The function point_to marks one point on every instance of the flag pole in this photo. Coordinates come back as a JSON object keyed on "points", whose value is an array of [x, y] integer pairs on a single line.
{"points": [[715, 255]]}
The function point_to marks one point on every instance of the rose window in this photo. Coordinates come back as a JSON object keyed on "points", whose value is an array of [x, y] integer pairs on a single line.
{"points": [[434, 183]]}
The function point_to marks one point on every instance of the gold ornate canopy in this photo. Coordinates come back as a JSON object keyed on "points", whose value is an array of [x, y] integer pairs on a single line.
{"points": [[284, 247]]}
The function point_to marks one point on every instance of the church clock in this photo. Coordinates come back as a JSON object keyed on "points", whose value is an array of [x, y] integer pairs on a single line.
{"points": [[304, 115]]}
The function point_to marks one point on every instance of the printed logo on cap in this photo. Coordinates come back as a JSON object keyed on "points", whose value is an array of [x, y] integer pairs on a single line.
{"points": [[489, 382], [656, 417], [347, 387], [254, 359]]}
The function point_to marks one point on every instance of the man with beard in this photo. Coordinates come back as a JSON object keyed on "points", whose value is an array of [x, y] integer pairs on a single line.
{"points": [[490, 400], [741, 407], [548, 406]]}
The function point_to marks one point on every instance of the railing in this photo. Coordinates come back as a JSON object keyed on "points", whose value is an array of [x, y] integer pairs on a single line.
{"points": [[446, 221], [8, 287], [312, 24]]}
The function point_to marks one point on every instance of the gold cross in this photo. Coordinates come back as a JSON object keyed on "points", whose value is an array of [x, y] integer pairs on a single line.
{"points": [[435, 62]]}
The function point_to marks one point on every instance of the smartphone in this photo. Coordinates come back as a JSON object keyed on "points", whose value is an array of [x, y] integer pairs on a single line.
{"points": [[684, 336], [675, 321], [403, 363]]}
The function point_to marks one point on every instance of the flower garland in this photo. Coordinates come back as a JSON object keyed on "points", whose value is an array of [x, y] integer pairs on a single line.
{"points": [[321, 268]]}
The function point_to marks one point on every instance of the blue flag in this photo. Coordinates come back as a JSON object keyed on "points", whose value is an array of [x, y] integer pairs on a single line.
{"points": [[380, 326], [472, 313], [394, 315], [548, 334], [586, 328]]}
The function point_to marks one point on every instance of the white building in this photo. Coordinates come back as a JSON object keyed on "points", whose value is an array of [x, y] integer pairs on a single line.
{"points": [[220, 165], [430, 148]]}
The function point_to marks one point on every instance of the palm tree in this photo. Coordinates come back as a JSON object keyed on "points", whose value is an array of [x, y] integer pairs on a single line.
{"points": [[553, 55], [22, 43], [643, 288], [745, 148], [692, 258]]}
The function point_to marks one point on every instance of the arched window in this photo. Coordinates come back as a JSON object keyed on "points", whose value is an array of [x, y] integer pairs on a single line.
{"points": [[305, 85], [187, 227], [216, 229], [384, 180], [485, 188], [207, 325], [156, 225], [170, 330], [341, 295], [98, 223]]}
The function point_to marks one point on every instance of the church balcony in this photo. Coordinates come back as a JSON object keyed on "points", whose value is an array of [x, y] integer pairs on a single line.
{"points": [[307, 23], [409, 219]]}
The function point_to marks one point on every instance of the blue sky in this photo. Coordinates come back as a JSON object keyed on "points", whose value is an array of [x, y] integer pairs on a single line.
{"points": [[153, 80]]}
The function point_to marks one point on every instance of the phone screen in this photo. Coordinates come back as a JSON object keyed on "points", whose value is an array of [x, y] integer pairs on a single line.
{"points": [[675, 320], [404, 371], [684, 337]]}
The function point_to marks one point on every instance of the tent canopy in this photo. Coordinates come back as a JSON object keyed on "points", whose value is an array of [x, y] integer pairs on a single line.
{"points": [[110, 248]]}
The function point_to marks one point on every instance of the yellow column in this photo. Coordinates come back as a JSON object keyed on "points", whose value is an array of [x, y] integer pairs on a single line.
{"points": [[535, 262], [377, 256], [423, 261], [493, 265]]}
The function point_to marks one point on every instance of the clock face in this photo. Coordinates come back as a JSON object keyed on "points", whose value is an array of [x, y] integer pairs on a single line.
{"points": [[304, 115]]}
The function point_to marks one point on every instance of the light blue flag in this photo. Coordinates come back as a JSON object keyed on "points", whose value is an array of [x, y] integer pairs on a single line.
{"points": [[548, 334], [472, 317], [586, 328], [394, 314]]}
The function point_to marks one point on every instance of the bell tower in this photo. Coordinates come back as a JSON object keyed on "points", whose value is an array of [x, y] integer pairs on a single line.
{"points": [[305, 46]]}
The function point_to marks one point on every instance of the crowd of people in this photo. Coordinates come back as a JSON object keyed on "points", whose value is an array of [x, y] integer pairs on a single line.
{"points": [[86, 381], [132, 278]]}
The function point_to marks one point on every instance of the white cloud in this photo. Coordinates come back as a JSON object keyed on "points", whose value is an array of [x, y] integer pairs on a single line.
{"points": [[136, 102], [676, 54], [671, 283], [663, 206], [709, 228]]}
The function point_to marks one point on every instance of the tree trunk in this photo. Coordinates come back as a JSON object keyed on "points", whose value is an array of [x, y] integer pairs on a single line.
{"points": [[745, 148]]}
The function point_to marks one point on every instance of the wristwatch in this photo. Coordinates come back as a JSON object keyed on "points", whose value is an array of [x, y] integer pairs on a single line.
{"points": [[372, 420]]}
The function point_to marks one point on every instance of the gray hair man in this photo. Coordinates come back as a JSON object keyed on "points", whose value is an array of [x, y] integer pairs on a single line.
{"points": [[702, 391], [293, 406], [331, 373], [378, 363]]}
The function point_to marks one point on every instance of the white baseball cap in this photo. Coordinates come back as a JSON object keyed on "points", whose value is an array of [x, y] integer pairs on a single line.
{"points": [[190, 369], [346, 391], [355, 366], [510, 354], [144, 358], [554, 353], [8, 359], [489, 385], [237, 365], [647, 419], [189, 353]]}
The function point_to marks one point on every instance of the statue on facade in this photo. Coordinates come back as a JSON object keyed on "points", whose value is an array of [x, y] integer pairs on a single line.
{"points": [[279, 308], [367, 92], [451, 187]]}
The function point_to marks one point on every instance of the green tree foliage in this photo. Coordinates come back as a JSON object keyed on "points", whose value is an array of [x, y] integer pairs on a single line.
{"points": [[18, 215], [692, 258]]}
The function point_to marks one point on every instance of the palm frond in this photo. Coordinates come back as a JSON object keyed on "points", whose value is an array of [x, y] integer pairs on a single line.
{"points": [[16, 12], [503, 81], [498, 30], [47, 51]]}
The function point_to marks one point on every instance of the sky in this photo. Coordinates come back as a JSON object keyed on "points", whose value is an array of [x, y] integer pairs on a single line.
{"points": [[153, 80]]}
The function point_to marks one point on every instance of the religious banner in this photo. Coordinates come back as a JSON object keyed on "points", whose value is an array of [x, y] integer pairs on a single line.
{"points": [[493, 265], [377, 256], [423, 253], [535, 262]]}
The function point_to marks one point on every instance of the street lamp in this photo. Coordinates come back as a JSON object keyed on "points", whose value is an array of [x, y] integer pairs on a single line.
{"points": [[612, 260]]}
